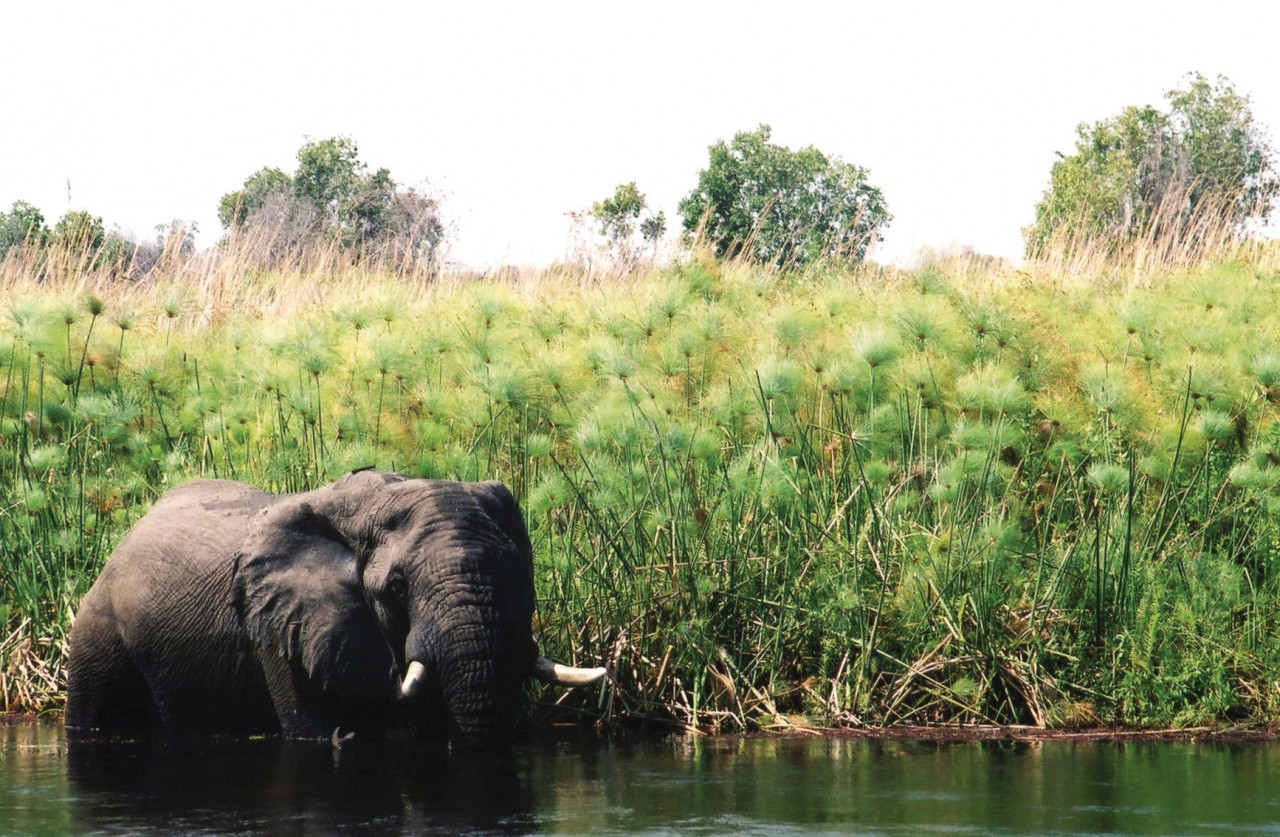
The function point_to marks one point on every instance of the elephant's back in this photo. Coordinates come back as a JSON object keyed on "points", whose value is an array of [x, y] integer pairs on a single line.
{"points": [[184, 547], [219, 498], [158, 611], [203, 521]]}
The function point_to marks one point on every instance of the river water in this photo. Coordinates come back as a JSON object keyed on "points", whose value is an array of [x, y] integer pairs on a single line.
{"points": [[648, 786]]}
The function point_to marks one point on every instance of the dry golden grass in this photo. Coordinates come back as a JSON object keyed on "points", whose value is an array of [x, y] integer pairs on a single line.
{"points": [[29, 678], [1172, 240]]}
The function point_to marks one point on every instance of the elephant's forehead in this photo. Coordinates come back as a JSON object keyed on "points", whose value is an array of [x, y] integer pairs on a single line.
{"points": [[466, 545], [451, 538], [427, 503]]}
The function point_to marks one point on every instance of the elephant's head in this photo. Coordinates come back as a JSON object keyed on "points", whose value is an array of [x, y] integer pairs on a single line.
{"points": [[385, 589]]}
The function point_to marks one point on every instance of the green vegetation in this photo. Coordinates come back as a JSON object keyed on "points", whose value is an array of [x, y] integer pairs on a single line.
{"points": [[763, 499], [1185, 178], [774, 206], [22, 224]]}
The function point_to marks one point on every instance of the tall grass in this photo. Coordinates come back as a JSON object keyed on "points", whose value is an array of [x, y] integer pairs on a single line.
{"points": [[1178, 234], [763, 500]]}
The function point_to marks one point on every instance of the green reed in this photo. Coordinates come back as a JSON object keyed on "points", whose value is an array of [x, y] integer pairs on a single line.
{"points": [[763, 500]]}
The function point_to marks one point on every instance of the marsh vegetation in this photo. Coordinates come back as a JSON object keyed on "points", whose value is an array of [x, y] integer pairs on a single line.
{"points": [[842, 496]]}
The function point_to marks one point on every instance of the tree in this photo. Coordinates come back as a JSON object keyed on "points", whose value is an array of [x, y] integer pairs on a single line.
{"points": [[399, 228], [783, 207], [21, 225], [80, 241], [619, 218], [235, 207], [333, 199], [1226, 154], [1202, 164], [79, 230], [174, 243], [329, 176], [368, 214], [83, 238]]}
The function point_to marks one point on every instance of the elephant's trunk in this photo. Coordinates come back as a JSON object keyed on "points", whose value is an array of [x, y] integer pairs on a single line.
{"points": [[543, 669], [473, 667], [484, 700]]}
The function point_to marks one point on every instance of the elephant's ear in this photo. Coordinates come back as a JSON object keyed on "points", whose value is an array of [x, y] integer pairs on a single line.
{"points": [[501, 507], [296, 591], [499, 504]]}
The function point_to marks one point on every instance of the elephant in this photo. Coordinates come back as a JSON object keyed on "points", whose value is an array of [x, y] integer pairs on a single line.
{"points": [[372, 604]]}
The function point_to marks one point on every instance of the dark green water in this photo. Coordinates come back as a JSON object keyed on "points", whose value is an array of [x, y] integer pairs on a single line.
{"points": [[733, 786]]}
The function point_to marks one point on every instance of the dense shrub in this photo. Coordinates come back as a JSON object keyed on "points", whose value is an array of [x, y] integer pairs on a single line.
{"points": [[782, 207], [1189, 174], [332, 201]]}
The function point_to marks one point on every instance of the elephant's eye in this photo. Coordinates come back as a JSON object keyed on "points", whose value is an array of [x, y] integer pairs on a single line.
{"points": [[397, 586]]}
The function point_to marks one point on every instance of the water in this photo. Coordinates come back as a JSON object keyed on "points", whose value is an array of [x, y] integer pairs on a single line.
{"points": [[667, 786]]}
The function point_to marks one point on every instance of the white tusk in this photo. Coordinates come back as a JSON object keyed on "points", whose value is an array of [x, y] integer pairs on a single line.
{"points": [[549, 672], [413, 679]]}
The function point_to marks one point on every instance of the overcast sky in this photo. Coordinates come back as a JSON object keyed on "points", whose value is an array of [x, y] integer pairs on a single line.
{"points": [[516, 113]]}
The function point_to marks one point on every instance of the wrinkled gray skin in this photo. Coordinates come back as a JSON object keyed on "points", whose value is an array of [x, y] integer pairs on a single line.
{"points": [[230, 610]]}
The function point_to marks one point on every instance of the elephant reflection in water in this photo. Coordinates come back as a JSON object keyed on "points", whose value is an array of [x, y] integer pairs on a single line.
{"points": [[374, 603], [273, 786]]}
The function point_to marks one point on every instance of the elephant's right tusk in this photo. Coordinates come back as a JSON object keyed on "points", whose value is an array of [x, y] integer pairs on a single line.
{"points": [[551, 672], [413, 679]]}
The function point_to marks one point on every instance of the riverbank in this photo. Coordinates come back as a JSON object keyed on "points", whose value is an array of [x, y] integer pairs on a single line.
{"points": [[942, 734], [877, 499]]}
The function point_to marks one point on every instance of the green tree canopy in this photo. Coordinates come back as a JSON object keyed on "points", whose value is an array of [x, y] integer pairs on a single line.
{"points": [[80, 241], [783, 207], [330, 175], [79, 230], [1202, 163], [235, 207], [23, 224], [619, 215], [81, 236]]}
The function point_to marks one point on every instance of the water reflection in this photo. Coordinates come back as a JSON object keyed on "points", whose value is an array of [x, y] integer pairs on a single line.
{"points": [[272, 786], [581, 785], [835, 786], [267, 786]]}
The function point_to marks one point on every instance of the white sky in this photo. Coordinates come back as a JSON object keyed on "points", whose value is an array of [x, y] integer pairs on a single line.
{"points": [[518, 112]]}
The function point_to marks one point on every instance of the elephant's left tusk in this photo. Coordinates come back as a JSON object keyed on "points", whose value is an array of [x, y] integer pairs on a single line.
{"points": [[413, 679], [551, 672]]}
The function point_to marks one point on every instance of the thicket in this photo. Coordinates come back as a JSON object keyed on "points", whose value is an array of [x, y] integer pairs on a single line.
{"points": [[333, 203], [1187, 178], [331, 215], [80, 242], [766, 203], [760, 499]]}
